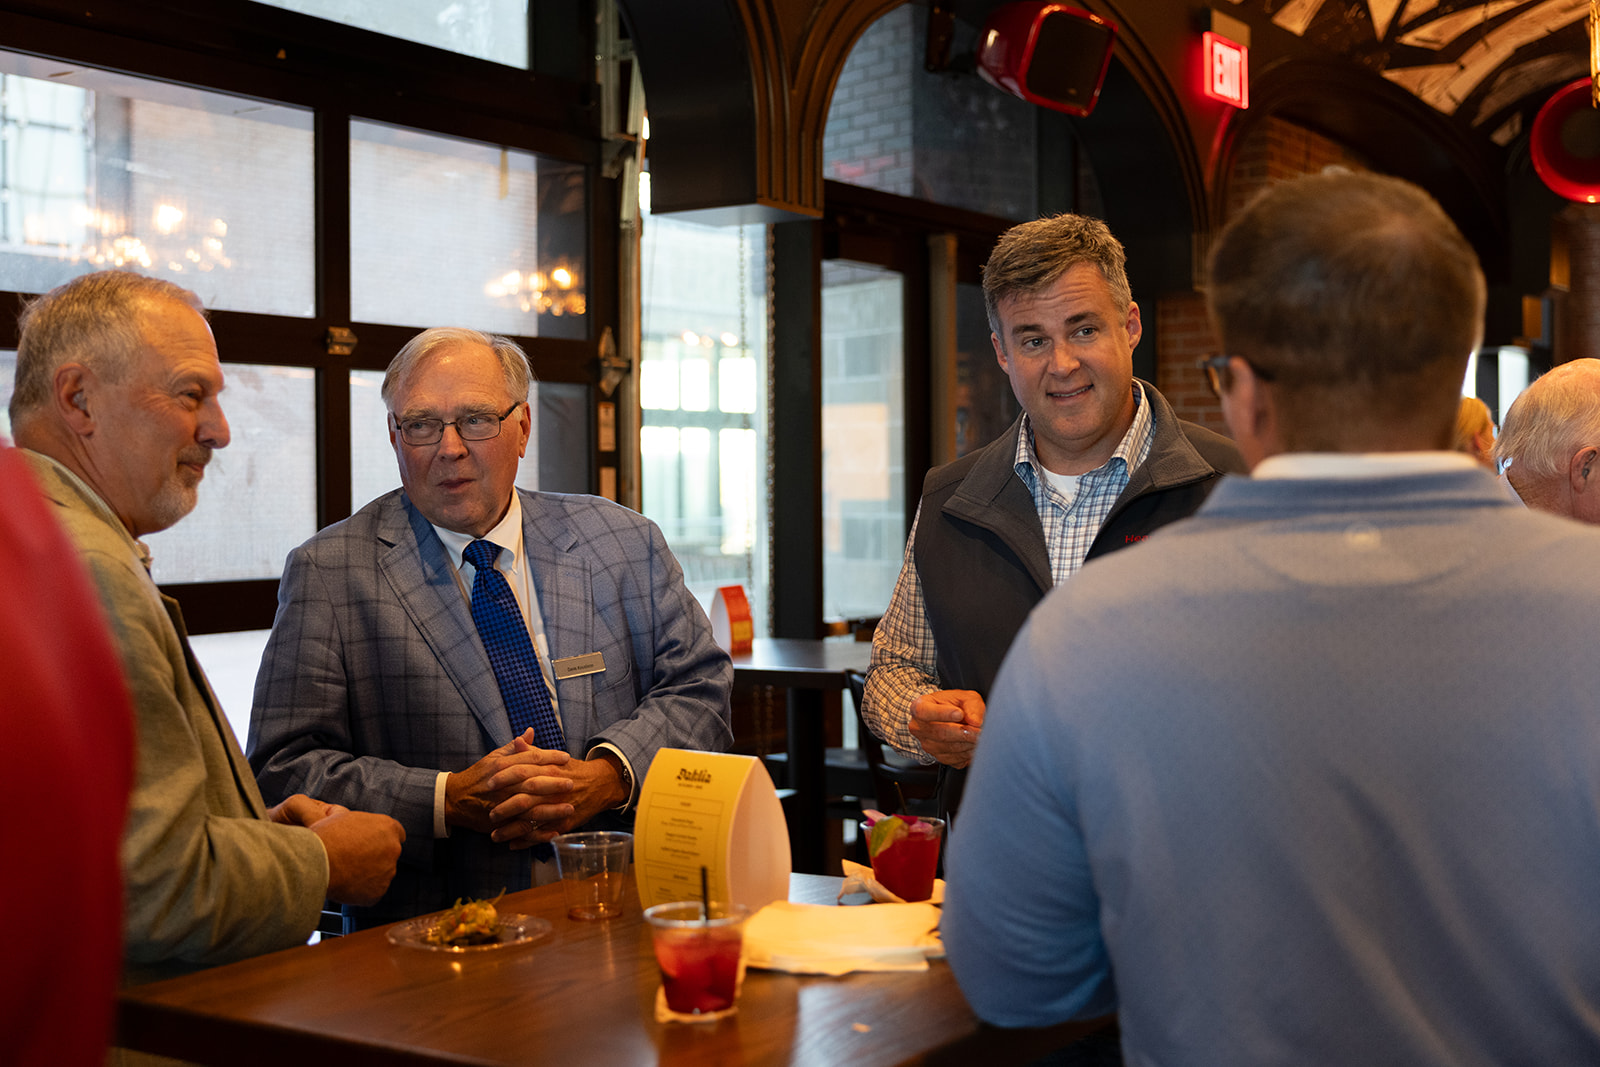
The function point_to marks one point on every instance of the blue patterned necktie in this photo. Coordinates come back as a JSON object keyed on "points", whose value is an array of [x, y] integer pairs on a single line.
{"points": [[511, 654]]}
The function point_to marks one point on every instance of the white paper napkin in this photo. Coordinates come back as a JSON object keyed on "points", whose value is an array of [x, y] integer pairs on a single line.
{"points": [[824, 939], [858, 879]]}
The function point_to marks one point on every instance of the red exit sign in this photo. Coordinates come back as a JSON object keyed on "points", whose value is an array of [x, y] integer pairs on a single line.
{"points": [[1227, 70]]}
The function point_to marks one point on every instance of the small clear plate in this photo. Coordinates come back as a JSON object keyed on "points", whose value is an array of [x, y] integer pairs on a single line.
{"points": [[513, 930]]}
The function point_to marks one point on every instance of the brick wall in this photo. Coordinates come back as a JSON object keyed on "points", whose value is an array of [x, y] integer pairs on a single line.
{"points": [[1580, 317], [867, 140], [893, 126], [1275, 150], [1186, 337]]}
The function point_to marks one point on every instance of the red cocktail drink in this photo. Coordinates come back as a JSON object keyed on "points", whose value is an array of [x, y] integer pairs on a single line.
{"points": [[905, 857], [701, 967], [700, 970]]}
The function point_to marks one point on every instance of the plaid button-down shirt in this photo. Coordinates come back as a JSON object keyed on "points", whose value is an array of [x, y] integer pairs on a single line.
{"points": [[905, 659]]}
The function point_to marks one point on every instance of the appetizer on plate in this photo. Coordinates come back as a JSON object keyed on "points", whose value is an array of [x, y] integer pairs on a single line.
{"points": [[475, 922]]}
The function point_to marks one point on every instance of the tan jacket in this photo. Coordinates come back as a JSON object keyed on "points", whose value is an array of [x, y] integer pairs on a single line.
{"points": [[207, 879]]}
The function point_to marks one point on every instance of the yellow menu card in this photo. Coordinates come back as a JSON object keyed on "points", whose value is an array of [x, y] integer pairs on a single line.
{"points": [[713, 810]]}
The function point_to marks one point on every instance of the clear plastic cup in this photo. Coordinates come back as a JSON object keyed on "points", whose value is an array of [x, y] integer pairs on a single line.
{"points": [[593, 867]]}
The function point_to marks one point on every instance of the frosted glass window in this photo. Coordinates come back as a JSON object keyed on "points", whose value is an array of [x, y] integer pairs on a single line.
{"points": [[373, 470], [496, 30], [503, 245], [258, 499], [211, 191]]}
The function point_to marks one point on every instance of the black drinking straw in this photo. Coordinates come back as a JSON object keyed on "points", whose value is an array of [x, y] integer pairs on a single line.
{"points": [[904, 807], [705, 894]]}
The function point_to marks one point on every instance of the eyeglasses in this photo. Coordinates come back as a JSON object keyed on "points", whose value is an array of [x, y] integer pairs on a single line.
{"points": [[478, 426], [1216, 367]]}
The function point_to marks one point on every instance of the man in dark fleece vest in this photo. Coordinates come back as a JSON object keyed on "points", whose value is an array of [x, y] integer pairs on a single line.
{"points": [[1097, 461]]}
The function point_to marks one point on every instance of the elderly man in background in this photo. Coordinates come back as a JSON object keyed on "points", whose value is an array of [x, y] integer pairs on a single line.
{"points": [[1550, 442], [1312, 777], [116, 408], [1097, 461], [491, 666]]}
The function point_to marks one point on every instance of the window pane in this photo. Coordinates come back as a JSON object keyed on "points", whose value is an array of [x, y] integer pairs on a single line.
{"points": [[741, 509], [560, 455], [1513, 376], [496, 30], [696, 377], [258, 499], [658, 375], [896, 127], [562, 467], [737, 384], [230, 661], [372, 464], [863, 434], [8, 378], [985, 405], [702, 386], [99, 170], [503, 249], [661, 464]]}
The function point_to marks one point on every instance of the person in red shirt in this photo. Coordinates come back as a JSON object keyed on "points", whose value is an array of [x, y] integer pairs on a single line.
{"points": [[67, 724]]}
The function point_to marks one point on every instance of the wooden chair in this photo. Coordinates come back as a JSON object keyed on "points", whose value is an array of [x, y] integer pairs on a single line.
{"points": [[893, 775]]}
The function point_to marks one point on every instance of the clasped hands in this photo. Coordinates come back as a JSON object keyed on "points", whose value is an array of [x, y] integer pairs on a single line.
{"points": [[523, 795], [363, 847]]}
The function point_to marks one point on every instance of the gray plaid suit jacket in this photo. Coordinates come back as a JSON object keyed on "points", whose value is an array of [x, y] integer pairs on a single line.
{"points": [[374, 678]]}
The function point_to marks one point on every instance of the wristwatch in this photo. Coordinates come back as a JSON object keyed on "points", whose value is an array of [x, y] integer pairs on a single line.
{"points": [[627, 779], [624, 773]]}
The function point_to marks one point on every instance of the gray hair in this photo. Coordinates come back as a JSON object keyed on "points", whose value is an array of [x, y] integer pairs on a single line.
{"points": [[95, 319], [1031, 256], [1551, 419], [422, 347]]}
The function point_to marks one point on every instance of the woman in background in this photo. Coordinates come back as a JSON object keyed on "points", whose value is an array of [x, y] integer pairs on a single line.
{"points": [[1475, 430]]}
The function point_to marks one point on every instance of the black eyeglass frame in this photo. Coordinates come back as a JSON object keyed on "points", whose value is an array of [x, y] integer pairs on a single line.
{"points": [[440, 424], [1215, 366]]}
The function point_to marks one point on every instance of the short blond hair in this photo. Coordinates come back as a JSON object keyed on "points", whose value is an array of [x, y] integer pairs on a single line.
{"points": [[1472, 419]]}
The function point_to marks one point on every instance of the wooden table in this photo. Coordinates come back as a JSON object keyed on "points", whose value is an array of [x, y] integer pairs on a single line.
{"points": [[807, 669], [583, 996]]}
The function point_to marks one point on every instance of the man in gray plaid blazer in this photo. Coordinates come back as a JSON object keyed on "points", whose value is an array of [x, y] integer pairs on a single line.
{"points": [[376, 690]]}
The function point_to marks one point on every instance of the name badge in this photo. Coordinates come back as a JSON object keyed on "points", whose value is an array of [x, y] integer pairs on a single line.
{"points": [[578, 666]]}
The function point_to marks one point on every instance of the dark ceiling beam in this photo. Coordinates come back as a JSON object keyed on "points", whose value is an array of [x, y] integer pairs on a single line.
{"points": [[738, 94]]}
